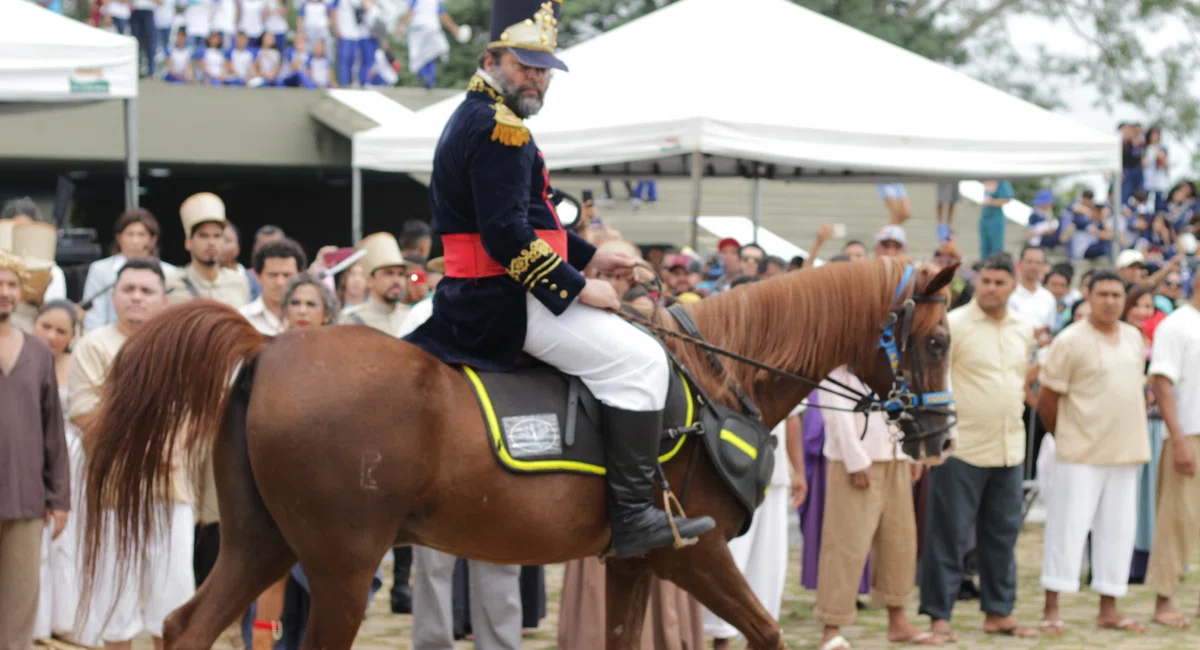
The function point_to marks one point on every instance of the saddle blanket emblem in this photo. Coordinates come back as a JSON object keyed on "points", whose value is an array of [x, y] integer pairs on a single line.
{"points": [[539, 420]]}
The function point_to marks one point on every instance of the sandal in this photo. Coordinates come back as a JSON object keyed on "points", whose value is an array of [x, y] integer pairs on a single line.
{"points": [[1125, 625], [1173, 620], [921, 638], [1015, 631], [1053, 628], [838, 642]]}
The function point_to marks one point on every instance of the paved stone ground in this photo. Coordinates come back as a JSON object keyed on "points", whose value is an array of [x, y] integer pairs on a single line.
{"points": [[384, 631]]}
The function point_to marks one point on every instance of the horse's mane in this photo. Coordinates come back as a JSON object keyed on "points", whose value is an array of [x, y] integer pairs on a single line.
{"points": [[771, 321]]}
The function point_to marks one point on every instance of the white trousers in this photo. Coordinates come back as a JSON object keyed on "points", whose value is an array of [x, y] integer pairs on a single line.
{"points": [[62, 558], [623, 367], [495, 596], [1099, 499], [141, 599], [762, 556]]}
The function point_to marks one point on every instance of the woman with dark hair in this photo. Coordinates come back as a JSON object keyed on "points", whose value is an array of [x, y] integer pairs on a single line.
{"points": [[136, 234], [1181, 205], [57, 324], [1156, 168], [1139, 310]]}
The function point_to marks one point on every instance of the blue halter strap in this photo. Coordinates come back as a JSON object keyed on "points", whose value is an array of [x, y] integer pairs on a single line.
{"points": [[902, 398]]}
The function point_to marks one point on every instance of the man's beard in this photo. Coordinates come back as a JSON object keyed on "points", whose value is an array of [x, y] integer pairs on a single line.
{"points": [[523, 106], [214, 261]]}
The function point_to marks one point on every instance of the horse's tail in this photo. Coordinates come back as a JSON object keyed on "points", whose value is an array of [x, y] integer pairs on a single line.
{"points": [[165, 396]]}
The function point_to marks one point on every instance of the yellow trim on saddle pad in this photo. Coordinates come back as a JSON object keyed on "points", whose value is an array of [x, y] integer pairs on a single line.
{"points": [[493, 425], [733, 439]]}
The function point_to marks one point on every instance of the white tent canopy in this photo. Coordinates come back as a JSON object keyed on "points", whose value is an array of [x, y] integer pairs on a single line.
{"points": [[47, 57], [771, 89]]}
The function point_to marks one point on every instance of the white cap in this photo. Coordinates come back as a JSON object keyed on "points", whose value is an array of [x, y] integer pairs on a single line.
{"points": [[1130, 257]]}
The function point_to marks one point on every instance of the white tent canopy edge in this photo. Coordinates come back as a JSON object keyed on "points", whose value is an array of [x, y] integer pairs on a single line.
{"points": [[46, 57]]}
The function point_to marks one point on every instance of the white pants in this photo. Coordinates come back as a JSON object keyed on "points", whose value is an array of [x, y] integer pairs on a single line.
{"points": [[141, 599], [495, 595], [1102, 499], [622, 366], [762, 556], [62, 557]]}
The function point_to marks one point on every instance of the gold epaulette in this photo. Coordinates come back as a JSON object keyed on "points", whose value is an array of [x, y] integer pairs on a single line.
{"points": [[510, 130], [534, 263]]}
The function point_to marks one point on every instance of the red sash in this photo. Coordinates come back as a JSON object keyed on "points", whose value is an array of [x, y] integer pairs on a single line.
{"points": [[466, 258]]}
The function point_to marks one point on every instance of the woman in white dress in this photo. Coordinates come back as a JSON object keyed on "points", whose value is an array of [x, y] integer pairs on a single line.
{"points": [[57, 324]]}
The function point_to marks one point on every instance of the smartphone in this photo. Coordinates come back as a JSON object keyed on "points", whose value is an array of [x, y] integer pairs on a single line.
{"points": [[587, 196], [839, 231]]}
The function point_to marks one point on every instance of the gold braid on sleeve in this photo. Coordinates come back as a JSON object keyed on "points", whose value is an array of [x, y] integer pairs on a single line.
{"points": [[534, 262]]}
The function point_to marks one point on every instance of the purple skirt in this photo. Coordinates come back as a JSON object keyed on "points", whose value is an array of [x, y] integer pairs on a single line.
{"points": [[812, 511]]}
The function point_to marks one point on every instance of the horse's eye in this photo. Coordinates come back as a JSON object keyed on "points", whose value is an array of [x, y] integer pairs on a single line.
{"points": [[937, 345]]}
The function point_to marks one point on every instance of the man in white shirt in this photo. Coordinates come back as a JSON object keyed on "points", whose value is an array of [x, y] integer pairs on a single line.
{"points": [[1031, 301], [869, 511], [1175, 378], [275, 263]]}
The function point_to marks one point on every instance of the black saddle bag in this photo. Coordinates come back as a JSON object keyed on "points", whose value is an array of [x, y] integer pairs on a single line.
{"points": [[744, 451]]}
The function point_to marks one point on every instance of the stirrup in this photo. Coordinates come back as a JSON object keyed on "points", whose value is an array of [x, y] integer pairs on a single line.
{"points": [[668, 500]]}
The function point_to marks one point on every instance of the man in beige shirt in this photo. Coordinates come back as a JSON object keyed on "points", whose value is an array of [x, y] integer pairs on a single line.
{"points": [[204, 222], [991, 346], [203, 217], [387, 280], [275, 263], [1093, 398], [141, 599]]}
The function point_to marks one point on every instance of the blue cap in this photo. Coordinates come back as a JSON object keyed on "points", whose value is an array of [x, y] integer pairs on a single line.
{"points": [[1044, 197], [530, 29]]}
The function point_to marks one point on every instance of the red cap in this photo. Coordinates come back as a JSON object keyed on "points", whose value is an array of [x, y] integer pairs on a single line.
{"points": [[417, 276], [728, 241]]}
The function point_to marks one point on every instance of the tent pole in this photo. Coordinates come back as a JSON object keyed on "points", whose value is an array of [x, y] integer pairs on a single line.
{"points": [[355, 205], [697, 175], [131, 154], [1118, 201], [756, 208]]}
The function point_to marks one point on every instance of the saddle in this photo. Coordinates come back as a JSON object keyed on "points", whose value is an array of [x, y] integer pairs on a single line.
{"points": [[540, 420]]}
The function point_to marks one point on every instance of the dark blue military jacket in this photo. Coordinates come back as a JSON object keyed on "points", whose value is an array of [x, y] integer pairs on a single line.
{"points": [[489, 180]]}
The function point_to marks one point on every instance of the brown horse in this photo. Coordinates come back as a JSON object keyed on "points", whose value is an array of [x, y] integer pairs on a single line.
{"points": [[333, 445]]}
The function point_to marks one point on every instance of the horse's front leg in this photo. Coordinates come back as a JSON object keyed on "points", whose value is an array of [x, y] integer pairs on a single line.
{"points": [[707, 571], [627, 584]]}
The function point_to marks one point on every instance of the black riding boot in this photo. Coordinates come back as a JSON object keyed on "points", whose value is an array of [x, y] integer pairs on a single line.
{"points": [[631, 440]]}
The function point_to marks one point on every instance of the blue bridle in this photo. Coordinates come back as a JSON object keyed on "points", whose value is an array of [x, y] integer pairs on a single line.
{"points": [[901, 399]]}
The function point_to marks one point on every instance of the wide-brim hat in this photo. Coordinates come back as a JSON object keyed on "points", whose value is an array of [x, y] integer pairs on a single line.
{"points": [[201, 208], [382, 251], [529, 28], [35, 244]]}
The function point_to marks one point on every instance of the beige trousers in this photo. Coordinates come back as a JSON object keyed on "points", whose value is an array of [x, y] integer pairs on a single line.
{"points": [[878, 520], [1176, 523], [20, 579]]}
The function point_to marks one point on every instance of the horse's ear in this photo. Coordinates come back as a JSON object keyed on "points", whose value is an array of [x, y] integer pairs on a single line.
{"points": [[942, 280]]}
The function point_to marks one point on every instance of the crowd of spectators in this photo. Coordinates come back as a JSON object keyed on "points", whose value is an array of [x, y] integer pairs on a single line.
{"points": [[1037, 297], [267, 43]]}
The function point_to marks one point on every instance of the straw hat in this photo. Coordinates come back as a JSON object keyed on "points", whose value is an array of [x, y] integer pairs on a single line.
{"points": [[35, 243], [6, 228], [382, 250], [201, 208]]}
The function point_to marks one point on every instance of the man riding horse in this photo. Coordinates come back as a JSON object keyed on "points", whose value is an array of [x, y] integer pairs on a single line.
{"points": [[514, 278]]}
